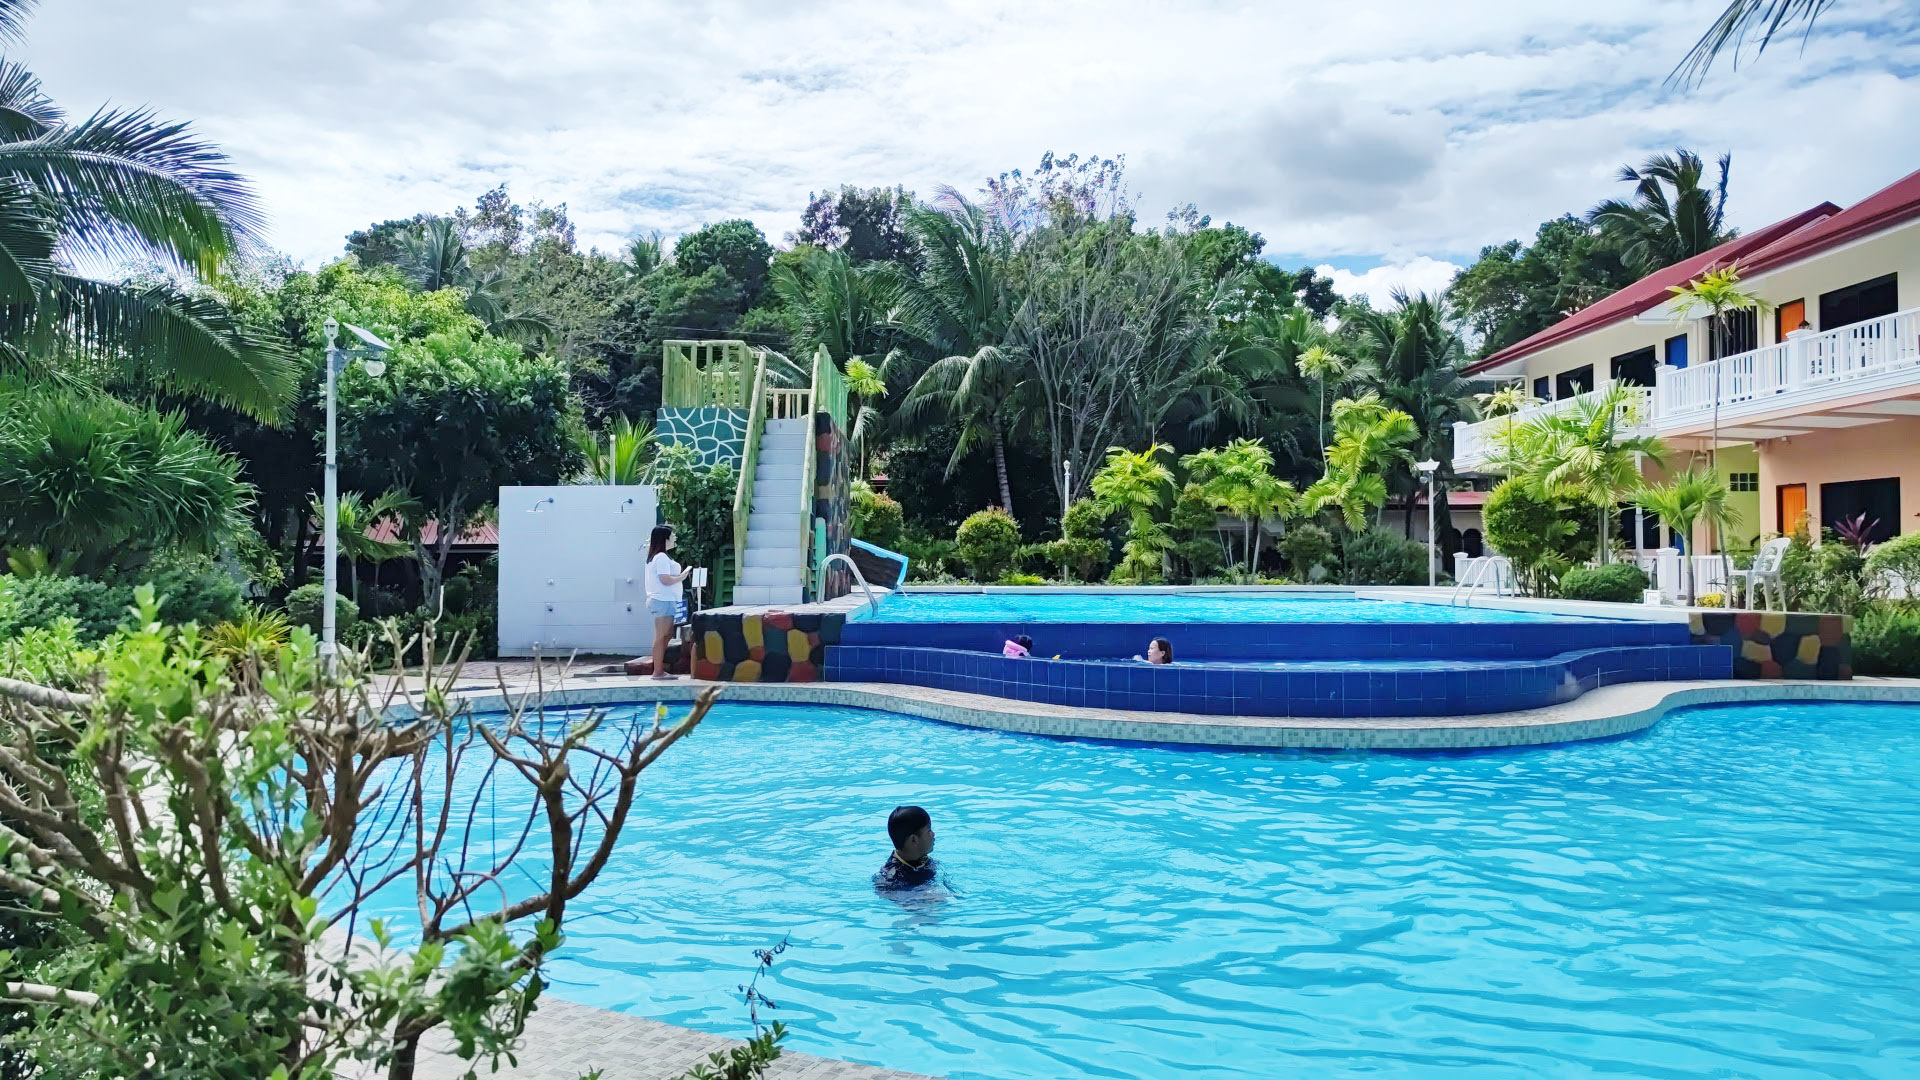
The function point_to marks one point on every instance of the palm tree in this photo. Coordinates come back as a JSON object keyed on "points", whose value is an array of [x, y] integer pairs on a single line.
{"points": [[122, 185], [1586, 452], [645, 254], [1136, 483], [354, 522], [1238, 479], [1742, 20], [435, 257], [1659, 228], [957, 308], [1369, 438], [1688, 497], [1323, 365], [1719, 292], [624, 455], [1416, 361], [866, 387]]}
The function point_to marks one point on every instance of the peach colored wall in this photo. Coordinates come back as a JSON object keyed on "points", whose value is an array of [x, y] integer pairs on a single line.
{"points": [[1891, 448]]}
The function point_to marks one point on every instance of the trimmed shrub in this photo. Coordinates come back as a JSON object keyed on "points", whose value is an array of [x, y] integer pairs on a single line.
{"points": [[1384, 557], [1022, 579], [1886, 640], [96, 607], [1712, 599], [303, 609], [1896, 565], [988, 542], [378, 603], [1615, 583], [1196, 542], [1540, 536], [1308, 549], [877, 519], [1829, 577]]}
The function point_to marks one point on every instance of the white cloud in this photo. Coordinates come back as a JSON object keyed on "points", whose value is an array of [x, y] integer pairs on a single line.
{"points": [[1396, 130], [1418, 275]]}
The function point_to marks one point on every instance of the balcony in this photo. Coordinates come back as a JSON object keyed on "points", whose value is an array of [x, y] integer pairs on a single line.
{"points": [[1880, 357], [1827, 372], [1475, 445]]}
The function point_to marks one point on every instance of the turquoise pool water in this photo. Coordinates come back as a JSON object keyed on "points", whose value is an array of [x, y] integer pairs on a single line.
{"points": [[1092, 607], [1735, 892]]}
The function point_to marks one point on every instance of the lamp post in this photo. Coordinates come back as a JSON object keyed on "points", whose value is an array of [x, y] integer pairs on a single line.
{"points": [[1430, 469], [368, 352]]}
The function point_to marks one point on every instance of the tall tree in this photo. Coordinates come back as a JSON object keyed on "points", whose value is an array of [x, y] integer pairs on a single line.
{"points": [[1672, 216], [736, 247], [1415, 362], [1514, 290], [1587, 452], [122, 185], [864, 224], [1370, 439]]}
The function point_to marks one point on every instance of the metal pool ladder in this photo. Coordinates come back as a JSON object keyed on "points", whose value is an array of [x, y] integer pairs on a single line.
{"points": [[1494, 566], [873, 603]]}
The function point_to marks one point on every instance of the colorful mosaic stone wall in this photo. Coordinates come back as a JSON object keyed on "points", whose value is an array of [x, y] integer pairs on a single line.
{"points": [[832, 499], [716, 434], [1780, 644], [766, 646]]}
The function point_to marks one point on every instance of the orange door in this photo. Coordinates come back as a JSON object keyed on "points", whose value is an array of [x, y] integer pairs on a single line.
{"points": [[1790, 315], [1791, 500]]}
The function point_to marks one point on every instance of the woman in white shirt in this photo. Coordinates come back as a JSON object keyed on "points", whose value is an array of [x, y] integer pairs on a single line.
{"points": [[664, 590]]}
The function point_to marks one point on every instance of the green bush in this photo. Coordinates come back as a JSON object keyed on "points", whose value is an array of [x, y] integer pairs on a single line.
{"points": [[1084, 559], [1831, 576], [378, 603], [1384, 557], [988, 542], [1196, 540], [1308, 550], [1896, 565], [190, 590], [1538, 535], [1022, 579], [1886, 640], [303, 609], [1617, 583], [96, 607], [877, 519], [1086, 519]]}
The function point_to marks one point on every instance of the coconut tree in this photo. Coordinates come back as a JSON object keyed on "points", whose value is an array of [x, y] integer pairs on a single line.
{"points": [[1741, 21], [1415, 361], [120, 186], [1671, 215], [1137, 483], [1369, 438], [1685, 499], [867, 388], [1587, 451]]}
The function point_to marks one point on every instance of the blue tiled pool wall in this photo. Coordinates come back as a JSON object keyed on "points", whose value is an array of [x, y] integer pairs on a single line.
{"points": [[1280, 641], [1525, 683]]}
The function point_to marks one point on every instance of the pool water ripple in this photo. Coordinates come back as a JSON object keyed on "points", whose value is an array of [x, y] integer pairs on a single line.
{"points": [[1735, 892]]}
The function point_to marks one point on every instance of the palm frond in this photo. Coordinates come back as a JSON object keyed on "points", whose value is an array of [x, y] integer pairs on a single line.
{"points": [[126, 185], [13, 19], [25, 110], [27, 243], [1739, 22]]}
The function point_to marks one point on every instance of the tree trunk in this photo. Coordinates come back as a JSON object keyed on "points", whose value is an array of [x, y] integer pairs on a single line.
{"points": [[406, 1050], [1600, 556], [300, 551], [1000, 468]]}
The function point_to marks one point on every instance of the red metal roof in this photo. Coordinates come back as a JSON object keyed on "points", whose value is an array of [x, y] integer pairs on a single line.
{"points": [[486, 534], [1895, 204], [1652, 289]]}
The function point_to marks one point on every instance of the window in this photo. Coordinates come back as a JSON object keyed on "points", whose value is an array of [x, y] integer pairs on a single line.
{"points": [[1743, 481], [1634, 368], [1677, 351], [1738, 332], [1573, 383], [1858, 303], [1541, 389], [1878, 500]]}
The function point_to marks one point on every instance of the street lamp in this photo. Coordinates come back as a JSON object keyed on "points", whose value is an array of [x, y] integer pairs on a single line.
{"points": [[1430, 469], [368, 352]]}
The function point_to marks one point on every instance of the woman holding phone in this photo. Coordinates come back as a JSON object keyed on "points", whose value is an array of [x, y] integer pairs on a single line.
{"points": [[664, 593]]}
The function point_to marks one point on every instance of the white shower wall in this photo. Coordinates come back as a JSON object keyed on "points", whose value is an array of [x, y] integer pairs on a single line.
{"points": [[570, 569]]}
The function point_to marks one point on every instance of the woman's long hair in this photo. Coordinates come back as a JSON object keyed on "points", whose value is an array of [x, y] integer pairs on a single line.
{"points": [[1166, 647], [661, 534]]}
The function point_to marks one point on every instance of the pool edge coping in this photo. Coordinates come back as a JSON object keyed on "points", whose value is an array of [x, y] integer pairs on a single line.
{"points": [[1597, 714]]}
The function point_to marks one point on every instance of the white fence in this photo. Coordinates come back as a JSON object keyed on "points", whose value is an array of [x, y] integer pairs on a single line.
{"points": [[570, 569], [1806, 367]]}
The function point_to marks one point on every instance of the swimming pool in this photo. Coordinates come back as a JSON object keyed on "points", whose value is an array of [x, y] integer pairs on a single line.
{"points": [[1096, 606], [1733, 892]]}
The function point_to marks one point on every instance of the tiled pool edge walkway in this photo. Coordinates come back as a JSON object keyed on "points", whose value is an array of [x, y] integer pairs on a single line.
{"points": [[1600, 713]]}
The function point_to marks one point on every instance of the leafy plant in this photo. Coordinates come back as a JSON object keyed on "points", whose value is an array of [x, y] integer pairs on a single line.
{"points": [[1686, 498], [622, 454], [1886, 640], [1830, 576], [1368, 439], [988, 542], [251, 640], [304, 609], [1711, 600], [1586, 453], [877, 519], [1532, 531], [1895, 566], [1021, 579], [1309, 551], [1238, 479], [1858, 531], [1193, 527], [1136, 483], [1617, 583], [1383, 557], [697, 500]]}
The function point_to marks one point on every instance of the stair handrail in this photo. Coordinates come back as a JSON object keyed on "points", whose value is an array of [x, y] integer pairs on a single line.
{"points": [[749, 461], [1475, 575], [808, 467], [872, 603]]}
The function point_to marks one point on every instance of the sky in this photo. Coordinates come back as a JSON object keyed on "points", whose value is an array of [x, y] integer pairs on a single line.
{"points": [[1384, 141]]}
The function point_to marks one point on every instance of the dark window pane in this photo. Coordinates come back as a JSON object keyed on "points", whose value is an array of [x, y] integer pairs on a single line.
{"points": [[1858, 303], [1572, 383], [1878, 499], [1738, 332], [1634, 368], [1541, 389]]}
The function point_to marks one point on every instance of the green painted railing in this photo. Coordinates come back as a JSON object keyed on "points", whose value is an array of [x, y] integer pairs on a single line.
{"points": [[749, 461], [830, 397], [721, 374]]}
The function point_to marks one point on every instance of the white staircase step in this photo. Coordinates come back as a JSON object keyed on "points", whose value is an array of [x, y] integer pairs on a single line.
{"points": [[784, 490], [762, 595], [770, 575], [796, 426], [771, 521], [785, 442], [787, 557], [777, 470], [773, 539]]}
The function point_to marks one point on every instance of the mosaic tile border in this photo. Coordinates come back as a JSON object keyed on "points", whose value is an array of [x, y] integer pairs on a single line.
{"points": [[1780, 644], [1606, 712]]}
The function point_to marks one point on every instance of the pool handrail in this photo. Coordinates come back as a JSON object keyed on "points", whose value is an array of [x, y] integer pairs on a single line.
{"points": [[873, 604], [1499, 566]]}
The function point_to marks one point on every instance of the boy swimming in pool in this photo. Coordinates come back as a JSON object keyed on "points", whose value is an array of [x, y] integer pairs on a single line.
{"points": [[911, 865]]}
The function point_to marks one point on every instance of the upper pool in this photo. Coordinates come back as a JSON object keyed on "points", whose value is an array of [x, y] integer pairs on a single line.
{"points": [[1735, 892], [1158, 607]]}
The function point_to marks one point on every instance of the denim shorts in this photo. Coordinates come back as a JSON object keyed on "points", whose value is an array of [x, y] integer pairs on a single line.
{"points": [[663, 609]]}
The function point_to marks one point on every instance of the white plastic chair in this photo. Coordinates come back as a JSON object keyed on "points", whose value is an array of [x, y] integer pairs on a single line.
{"points": [[1764, 574]]}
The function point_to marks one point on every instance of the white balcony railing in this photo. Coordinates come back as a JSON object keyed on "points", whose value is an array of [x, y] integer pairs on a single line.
{"points": [[1474, 445], [1877, 354]]}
